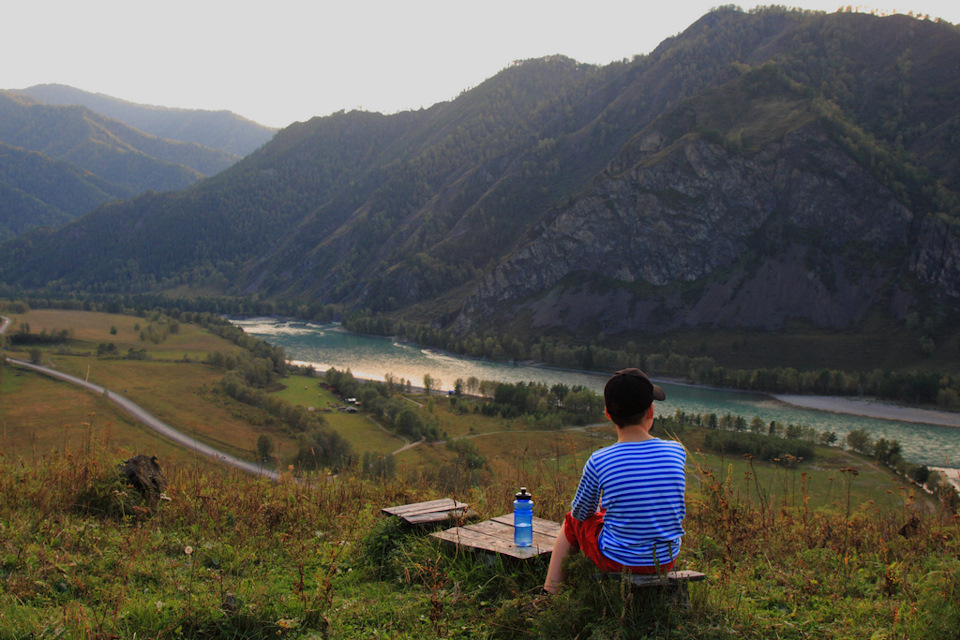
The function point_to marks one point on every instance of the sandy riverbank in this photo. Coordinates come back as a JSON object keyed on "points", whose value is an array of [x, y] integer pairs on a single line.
{"points": [[951, 475], [872, 409]]}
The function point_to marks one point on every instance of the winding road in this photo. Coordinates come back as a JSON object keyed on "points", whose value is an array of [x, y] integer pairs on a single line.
{"points": [[143, 416]]}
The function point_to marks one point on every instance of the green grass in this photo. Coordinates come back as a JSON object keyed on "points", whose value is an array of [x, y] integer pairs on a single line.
{"points": [[179, 391], [48, 415], [89, 329], [305, 391], [458, 425], [808, 552], [360, 430], [363, 434], [231, 556]]}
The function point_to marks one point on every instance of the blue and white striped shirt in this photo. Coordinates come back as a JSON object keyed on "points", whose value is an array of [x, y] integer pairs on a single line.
{"points": [[641, 486]]}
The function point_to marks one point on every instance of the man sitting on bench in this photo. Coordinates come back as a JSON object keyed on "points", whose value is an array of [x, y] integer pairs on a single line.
{"points": [[629, 507]]}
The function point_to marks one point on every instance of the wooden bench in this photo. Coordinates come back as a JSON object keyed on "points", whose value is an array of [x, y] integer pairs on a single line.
{"points": [[432, 511], [673, 583], [495, 537]]}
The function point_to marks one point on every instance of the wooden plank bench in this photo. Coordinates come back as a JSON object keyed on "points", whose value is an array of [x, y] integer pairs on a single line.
{"points": [[431, 511], [495, 536], [673, 583]]}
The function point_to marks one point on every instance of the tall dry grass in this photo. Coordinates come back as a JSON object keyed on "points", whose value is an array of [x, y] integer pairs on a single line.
{"points": [[232, 556]]}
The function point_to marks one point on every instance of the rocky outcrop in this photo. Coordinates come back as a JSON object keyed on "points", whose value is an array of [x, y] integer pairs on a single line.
{"points": [[936, 257], [692, 234]]}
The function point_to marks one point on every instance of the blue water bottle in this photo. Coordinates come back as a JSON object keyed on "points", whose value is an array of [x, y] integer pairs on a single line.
{"points": [[523, 519]]}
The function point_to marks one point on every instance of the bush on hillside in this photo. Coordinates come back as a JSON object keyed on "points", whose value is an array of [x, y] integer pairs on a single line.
{"points": [[761, 447], [323, 448]]}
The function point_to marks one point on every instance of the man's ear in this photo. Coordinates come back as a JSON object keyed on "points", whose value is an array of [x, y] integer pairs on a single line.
{"points": [[607, 413]]}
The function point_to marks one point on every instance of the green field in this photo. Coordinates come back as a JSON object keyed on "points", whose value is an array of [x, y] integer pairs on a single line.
{"points": [[40, 416], [172, 384], [360, 430]]}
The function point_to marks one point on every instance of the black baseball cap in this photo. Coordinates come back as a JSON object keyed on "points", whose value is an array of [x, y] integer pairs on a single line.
{"points": [[629, 392]]}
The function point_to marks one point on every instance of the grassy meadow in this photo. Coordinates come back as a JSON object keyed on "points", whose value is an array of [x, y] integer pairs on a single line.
{"points": [[815, 550], [172, 383], [361, 431], [49, 415]]}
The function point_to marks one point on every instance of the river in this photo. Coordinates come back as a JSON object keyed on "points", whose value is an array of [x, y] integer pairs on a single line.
{"points": [[374, 357]]}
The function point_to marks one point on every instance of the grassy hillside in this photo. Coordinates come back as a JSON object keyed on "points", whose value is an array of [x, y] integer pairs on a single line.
{"points": [[40, 415], [230, 556], [813, 549]]}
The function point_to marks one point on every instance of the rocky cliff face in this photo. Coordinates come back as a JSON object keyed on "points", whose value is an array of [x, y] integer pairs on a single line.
{"points": [[664, 243], [936, 258]]}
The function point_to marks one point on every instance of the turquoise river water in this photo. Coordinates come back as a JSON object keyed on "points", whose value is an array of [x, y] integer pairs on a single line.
{"points": [[373, 357]]}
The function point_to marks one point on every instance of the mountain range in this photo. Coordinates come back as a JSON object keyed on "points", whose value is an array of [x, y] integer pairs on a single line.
{"points": [[759, 170], [60, 159], [221, 130]]}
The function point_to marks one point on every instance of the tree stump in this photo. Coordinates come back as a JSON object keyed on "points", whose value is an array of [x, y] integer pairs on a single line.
{"points": [[145, 474]]}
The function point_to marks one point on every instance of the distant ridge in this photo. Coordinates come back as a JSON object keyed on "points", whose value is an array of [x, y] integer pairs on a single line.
{"points": [[104, 146], [222, 130], [59, 162]]}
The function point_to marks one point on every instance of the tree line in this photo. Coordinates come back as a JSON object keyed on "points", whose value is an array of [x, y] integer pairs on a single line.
{"points": [[23, 336], [922, 387], [932, 388], [790, 444]]}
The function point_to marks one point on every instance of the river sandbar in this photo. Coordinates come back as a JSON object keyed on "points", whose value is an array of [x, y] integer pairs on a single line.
{"points": [[872, 409]]}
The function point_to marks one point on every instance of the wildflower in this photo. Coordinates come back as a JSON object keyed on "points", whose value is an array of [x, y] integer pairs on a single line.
{"points": [[288, 623], [188, 550]]}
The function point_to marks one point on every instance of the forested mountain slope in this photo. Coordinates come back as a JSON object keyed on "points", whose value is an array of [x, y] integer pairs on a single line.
{"points": [[220, 130], [758, 168], [51, 150], [37, 191], [108, 147]]}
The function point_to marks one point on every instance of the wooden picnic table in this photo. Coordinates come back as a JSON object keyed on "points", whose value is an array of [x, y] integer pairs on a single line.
{"points": [[496, 536]]}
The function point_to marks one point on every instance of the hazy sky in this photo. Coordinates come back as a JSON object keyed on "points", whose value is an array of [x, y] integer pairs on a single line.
{"points": [[279, 61]]}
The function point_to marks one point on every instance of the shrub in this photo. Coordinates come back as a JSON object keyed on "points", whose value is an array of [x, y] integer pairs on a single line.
{"points": [[769, 448]]}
